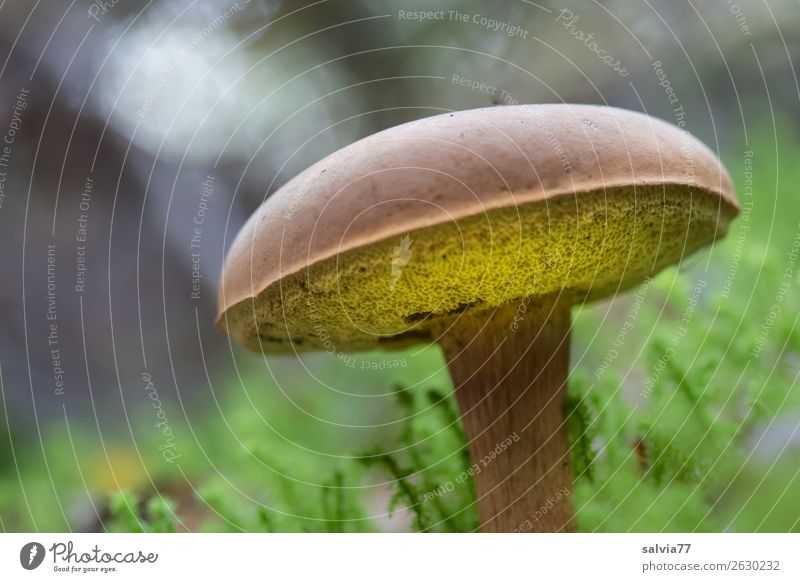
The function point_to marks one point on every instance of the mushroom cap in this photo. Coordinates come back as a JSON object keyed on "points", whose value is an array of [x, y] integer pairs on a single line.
{"points": [[386, 239]]}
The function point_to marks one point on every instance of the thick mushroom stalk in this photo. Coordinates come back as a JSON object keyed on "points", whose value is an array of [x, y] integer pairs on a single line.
{"points": [[509, 371]]}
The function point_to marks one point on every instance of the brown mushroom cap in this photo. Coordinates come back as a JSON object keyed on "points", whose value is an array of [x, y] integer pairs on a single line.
{"points": [[388, 237]]}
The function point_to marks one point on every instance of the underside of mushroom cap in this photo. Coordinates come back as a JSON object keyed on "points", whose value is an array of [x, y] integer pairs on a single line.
{"points": [[385, 240]]}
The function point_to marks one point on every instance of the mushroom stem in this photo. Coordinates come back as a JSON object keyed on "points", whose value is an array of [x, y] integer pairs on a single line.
{"points": [[509, 371]]}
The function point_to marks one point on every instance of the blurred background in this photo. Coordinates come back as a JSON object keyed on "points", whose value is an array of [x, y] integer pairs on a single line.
{"points": [[138, 136]]}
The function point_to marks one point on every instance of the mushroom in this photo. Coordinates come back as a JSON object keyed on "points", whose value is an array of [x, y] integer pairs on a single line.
{"points": [[478, 230]]}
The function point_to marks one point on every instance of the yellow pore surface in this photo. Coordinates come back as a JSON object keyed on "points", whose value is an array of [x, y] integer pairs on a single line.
{"points": [[395, 291]]}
